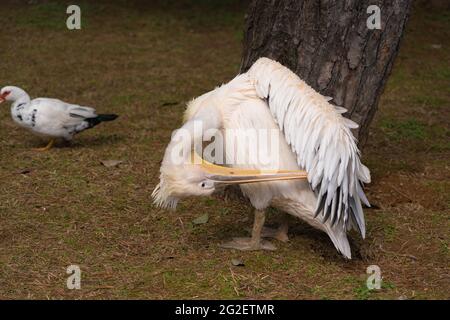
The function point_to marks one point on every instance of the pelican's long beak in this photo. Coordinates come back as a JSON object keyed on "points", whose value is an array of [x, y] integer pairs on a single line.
{"points": [[226, 175]]}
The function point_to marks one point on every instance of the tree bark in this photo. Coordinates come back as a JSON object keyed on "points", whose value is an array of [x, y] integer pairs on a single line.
{"points": [[328, 44]]}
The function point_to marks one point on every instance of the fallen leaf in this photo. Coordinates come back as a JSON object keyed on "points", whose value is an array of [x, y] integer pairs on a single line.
{"points": [[111, 163], [237, 262], [201, 220], [169, 103]]}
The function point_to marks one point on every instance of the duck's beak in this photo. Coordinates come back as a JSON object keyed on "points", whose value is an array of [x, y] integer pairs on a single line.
{"points": [[3, 97], [226, 175]]}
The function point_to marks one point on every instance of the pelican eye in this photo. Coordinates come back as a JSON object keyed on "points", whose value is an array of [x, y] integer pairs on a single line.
{"points": [[206, 184]]}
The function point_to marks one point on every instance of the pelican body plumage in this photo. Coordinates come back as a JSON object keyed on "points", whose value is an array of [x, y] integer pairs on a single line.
{"points": [[313, 173]]}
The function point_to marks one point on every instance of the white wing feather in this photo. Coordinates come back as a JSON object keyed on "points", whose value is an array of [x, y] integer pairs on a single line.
{"points": [[58, 118], [66, 113], [321, 138]]}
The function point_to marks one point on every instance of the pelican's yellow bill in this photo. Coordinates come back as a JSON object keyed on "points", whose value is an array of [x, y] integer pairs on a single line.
{"points": [[239, 176]]}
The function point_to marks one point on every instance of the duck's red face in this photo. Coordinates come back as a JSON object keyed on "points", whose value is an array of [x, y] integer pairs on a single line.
{"points": [[4, 95]]}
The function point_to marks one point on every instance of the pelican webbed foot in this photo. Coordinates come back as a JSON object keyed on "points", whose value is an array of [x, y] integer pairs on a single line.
{"points": [[255, 242], [248, 244]]}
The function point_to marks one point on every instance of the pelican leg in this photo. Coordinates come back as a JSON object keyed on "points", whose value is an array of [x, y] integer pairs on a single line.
{"points": [[255, 242], [46, 148], [280, 233]]}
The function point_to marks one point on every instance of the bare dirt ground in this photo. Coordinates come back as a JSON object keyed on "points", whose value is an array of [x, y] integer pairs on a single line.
{"points": [[145, 62]]}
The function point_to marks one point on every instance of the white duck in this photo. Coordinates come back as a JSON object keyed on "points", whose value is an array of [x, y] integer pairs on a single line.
{"points": [[50, 118]]}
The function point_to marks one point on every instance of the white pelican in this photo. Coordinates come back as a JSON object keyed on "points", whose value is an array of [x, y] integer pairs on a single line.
{"points": [[50, 118], [313, 136]]}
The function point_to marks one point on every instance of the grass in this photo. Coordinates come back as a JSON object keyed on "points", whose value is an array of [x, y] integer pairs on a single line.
{"points": [[410, 129], [145, 62]]}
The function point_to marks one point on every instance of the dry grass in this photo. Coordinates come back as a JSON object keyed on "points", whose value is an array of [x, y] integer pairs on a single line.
{"points": [[63, 207]]}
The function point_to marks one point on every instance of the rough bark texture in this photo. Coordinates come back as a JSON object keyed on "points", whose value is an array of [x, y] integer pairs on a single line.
{"points": [[328, 44]]}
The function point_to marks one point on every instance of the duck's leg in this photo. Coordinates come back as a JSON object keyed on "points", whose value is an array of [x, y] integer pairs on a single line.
{"points": [[255, 242], [46, 148]]}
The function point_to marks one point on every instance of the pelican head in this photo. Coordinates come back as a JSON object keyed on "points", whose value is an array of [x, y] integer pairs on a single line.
{"points": [[181, 181], [201, 178]]}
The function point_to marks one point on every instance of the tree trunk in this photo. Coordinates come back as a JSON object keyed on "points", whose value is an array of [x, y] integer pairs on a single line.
{"points": [[329, 45]]}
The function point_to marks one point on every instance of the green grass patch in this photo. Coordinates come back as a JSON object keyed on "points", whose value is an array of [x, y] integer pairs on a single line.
{"points": [[410, 129]]}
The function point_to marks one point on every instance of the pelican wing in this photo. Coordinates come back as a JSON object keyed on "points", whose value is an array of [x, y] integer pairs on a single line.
{"points": [[321, 139]]}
